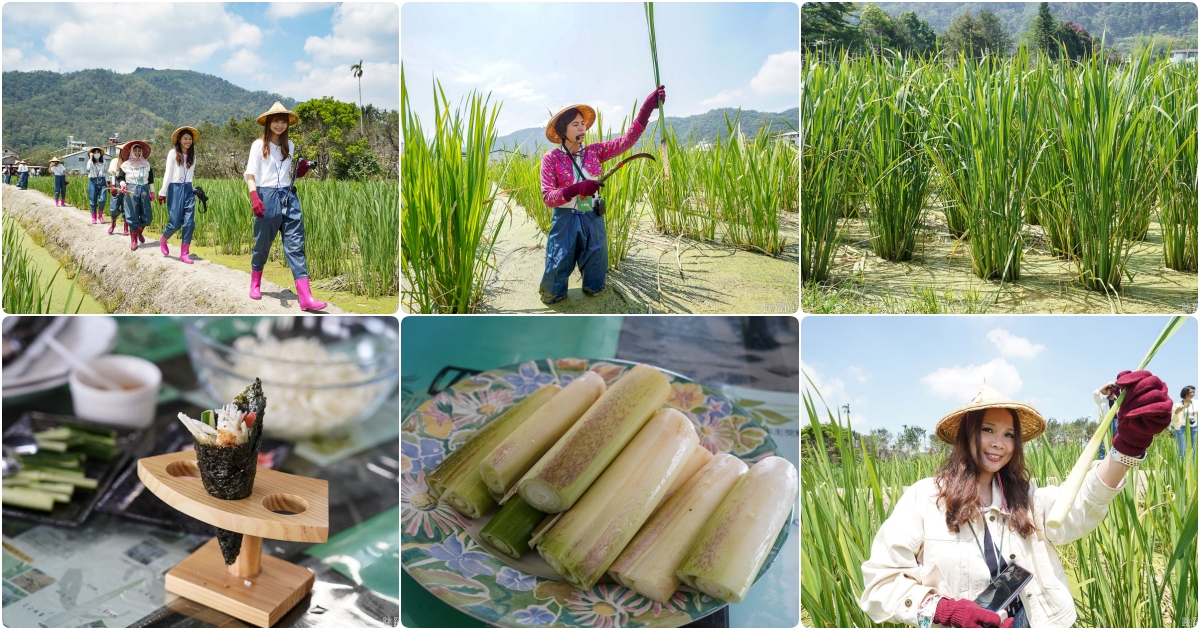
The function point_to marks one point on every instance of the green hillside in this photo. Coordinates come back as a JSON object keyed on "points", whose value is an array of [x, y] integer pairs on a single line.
{"points": [[42, 108], [706, 127]]}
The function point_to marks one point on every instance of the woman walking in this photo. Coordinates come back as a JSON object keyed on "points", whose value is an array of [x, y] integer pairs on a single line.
{"points": [[60, 182], [8, 174], [275, 204], [136, 177], [570, 172], [23, 175], [97, 191], [178, 191], [923, 570], [116, 205], [1183, 420]]}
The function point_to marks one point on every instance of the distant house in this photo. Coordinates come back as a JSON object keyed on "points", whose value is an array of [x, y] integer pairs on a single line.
{"points": [[76, 162], [790, 136], [1182, 55], [10, 157]]}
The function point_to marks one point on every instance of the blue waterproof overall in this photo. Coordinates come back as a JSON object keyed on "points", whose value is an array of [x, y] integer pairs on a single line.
{"points": [[577, 238], [97, 193], [60, 187], [137, 206], [281, 216], [7, 177], [116, 205], [23, 181], [181, 210]]}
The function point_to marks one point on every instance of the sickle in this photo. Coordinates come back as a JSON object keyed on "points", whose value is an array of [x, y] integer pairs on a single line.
{"points": [[625, 161]]}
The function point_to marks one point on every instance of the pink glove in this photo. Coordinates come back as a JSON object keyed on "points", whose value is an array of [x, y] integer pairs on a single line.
{"points": [[1144, 413], [256, 205], [302, 170], [964, 613], [161, 199], [651, 104], [585, 188]]}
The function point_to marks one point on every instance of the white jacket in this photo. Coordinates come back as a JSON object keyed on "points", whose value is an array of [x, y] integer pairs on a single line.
{"points": [[914, 553], [176, 173]]}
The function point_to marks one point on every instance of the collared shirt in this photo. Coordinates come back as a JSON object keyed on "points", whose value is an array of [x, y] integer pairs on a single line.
{"points": [[23, 168], [176, 173], [915, 554], [137, 172], [58, 169], [558, 173], [96, 169], [272, 171]]}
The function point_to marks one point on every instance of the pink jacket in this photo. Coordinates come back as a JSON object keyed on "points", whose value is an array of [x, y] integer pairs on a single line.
{"points": [[558, 173]]}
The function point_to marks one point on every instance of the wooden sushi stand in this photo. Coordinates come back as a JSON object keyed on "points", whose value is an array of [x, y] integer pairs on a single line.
{"points": [[256, 588]]}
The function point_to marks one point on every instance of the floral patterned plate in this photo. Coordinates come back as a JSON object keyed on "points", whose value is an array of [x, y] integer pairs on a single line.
{"points": [[439, 552]]}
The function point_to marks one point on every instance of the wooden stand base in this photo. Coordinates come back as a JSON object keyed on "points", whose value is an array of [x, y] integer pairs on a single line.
{"points": [[203, 577]]}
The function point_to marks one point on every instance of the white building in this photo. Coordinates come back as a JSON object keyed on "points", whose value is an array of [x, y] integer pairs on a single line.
{"points": [[1183, 55]]}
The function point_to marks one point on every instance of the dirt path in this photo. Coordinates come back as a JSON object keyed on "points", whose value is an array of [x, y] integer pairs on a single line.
{"points": [[1047, 283], [144, 281], [716, 278]]}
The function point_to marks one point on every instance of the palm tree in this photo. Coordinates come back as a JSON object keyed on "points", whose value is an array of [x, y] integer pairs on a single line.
{"points": [[357, 70]]}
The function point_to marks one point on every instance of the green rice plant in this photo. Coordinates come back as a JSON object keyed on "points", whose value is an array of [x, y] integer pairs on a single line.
{"points": [[623, 193], [521, 180], [1049, 190], [744, 187], [830, 100], [24, 291], [1175, 136], [676, 201], [987, 149], [894, 163], [1101, 128], [446, 204]]}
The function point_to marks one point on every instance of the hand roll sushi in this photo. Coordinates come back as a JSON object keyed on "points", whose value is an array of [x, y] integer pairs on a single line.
{"points": [[227, 442]]}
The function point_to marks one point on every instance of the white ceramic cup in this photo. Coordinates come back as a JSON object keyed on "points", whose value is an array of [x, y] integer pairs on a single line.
{"points": [[133, 407]]}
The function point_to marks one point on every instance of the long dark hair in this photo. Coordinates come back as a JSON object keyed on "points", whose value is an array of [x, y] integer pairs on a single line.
{"points": [[283, 137], [191, 151], [958, 478]]}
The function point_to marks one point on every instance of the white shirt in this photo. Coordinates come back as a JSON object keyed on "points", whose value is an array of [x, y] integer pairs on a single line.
{"points": [[1182, 414], [135, 176], [96, 169], [273, 171], [176, 173], [58, 169], [113, 167], [23, 168]]}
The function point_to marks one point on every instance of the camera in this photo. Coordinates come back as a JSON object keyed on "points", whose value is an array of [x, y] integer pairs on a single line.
{"points": [[200, 194], [598, 206]]}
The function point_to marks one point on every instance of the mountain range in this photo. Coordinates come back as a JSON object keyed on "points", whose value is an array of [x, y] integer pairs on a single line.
{"points": [[42, 108], [706, 127]]}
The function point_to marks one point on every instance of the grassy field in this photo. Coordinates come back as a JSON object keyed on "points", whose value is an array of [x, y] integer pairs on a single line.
{"points": [[1137, 569]]}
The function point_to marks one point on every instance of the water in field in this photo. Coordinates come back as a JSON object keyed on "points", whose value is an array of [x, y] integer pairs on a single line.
{"points": [[46, 266]]}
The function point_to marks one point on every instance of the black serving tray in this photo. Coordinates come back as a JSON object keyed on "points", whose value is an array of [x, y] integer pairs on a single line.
{"points": [[83, 501], [129, 498]]}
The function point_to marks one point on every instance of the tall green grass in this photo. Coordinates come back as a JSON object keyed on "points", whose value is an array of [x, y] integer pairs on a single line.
{"points": [[1175, 131], [520, 177], [446, 203], [623, 194], [25, 293]]}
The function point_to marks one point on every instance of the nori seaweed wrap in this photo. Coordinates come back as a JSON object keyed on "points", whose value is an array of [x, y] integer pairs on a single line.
{"points": [[227, 472]]}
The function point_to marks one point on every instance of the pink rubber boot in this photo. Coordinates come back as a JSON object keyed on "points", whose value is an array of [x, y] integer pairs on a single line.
{"points": [[125, 225], [93, 217], [183, 253], [133, 244], [141, 237], [255, 285], [162, 246], [307, 301], [113, 226]]}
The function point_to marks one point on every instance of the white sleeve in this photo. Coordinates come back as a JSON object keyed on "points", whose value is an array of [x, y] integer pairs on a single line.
{"points": [[254, 162], [894, 583], [169, 175]]}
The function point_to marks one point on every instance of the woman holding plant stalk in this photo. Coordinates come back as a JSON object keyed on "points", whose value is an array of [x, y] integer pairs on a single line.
{"points": [[569, 181], [949, 536], [136, 177]]}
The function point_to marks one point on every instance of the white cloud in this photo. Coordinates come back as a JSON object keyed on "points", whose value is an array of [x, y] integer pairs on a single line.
{"points": [[14, 59], [961, 383], [859, 373], [728, 97], [280, 10], [368, 31], [1011, 345], [779, 75], [246, 63], [833, 390], [380, 84]]}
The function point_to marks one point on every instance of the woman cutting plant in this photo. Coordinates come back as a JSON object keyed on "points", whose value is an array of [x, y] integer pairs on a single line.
{"points": [[951, 535], [570, 172]]}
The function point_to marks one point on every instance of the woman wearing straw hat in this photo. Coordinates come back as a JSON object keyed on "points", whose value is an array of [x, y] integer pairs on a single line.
{"points": [[60, 182], [178, 191], [116, 206], [137, 179], [950, 535], [569, 181], [97, 191], [275, 204], [22, 174]]}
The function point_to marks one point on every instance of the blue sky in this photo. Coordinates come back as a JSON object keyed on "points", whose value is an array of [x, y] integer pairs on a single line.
{"points": [[539, 57], [902, 370], [300, 50]]}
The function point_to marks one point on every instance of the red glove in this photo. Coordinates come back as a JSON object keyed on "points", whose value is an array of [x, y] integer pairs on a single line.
{"points": [[964, 613], [1144, 413], [161, 199], [651, 104], [302, 170], [256, 204], [585, 188]]}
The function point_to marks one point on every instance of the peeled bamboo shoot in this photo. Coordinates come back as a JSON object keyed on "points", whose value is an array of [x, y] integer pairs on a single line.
{"points": [[648, 563], [456, 480], [584, 543], [566, 471], [512, 527], [700, 458], [734, 543], [513, 457]]}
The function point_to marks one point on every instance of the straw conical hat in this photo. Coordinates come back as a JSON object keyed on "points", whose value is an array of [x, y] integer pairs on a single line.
{"points": [[589, 118], [127, 148], [195, 134], [278, 108], [89, 150], [1032, 423], [53, 160]]}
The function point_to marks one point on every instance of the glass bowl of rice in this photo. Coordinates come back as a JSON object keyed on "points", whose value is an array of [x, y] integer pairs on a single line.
{"points": [[320, 374]]}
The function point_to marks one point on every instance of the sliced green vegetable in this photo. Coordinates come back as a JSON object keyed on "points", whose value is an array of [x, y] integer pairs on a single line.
{"points": [[512, 527], [31, 499]]}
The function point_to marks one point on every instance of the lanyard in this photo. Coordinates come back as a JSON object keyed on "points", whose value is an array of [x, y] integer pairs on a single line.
{"points": [[997, 553], [279, 169], [582, 177]]}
